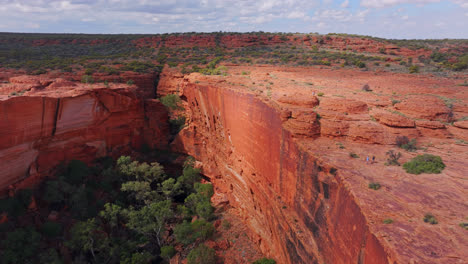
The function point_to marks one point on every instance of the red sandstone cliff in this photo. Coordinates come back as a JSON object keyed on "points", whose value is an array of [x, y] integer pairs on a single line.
{"points": [[59, 120], [304, 199]]}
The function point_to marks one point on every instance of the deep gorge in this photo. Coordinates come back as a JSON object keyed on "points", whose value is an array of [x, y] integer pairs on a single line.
{"points": [[296, 206], [279, 155]]}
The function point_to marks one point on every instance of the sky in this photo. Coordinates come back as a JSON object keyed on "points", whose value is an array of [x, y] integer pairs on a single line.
{"points": [[402, 19]]}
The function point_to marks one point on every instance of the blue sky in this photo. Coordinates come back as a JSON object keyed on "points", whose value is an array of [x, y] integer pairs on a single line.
{"points": [[381, 18]]}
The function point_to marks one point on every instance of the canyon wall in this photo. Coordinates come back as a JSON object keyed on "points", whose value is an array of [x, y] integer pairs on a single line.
{"points": [[46, 128], [298, 207]]}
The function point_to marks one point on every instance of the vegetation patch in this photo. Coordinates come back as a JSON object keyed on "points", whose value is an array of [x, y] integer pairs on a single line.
{"points": [[122, 211], [264, 261], [425, 163], [429, 218], [387, 221], [392, 158], [406, 144], [172, 102], [374, 186]]}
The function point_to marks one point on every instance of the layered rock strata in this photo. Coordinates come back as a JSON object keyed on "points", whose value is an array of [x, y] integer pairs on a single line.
{"points": [[73, 121]]}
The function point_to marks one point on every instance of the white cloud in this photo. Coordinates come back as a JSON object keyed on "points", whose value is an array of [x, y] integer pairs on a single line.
{"points": [[156, 16], [386, 3], [88, 19], [345, 4], [462, 3]]}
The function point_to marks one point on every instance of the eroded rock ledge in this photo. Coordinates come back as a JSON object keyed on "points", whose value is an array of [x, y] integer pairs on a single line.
{"points": [[303, 197], [74, 121]]}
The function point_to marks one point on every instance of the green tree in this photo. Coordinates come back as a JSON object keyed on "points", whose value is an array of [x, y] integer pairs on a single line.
{"points": [[141, 171], [203, 229], [151, 219], [205, 209], [189, 176], [79, 202], [167, 252], [204, 189], [170, 188], [202, 255], [112, 214], [51, 229], [140, 190], [138, 258], [50, 257], [184, 233], [86, 237], [20, 246]]}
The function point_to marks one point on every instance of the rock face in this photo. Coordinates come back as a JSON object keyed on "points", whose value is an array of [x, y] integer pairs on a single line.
{"points": [[283, 162], [39, 131], [288, 195], [279, 157]]}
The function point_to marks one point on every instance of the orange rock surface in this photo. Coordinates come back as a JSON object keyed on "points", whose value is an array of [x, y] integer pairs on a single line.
{"points": [[58, 120], [302, 195]]}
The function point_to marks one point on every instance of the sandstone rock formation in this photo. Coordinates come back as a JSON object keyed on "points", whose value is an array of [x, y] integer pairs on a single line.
{"points": [[72, 121], [278, 156], [304, 199]]}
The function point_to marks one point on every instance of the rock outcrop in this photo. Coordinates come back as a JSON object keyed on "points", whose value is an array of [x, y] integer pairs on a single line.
{"points": [[73, 121], [283, 162]]}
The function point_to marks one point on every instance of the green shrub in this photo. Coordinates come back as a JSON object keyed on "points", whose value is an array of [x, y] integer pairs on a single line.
{"points": [[264, 261], [130, 82], [171, 101], [406, 144], [203, 229], [387, 221], [20, 245], [464, 225], [167, 252], [176, 124], [202, 255], [374, 185], [51, 229], [89, 71], [410, 146], [184, 233], [360, 64], [17, 205], [172, 64], [392, 158], [76, 171], [413, 69], [429, 218], [50, 256], [425, 163], [320, 94], [353, 155], [87, 79]]}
